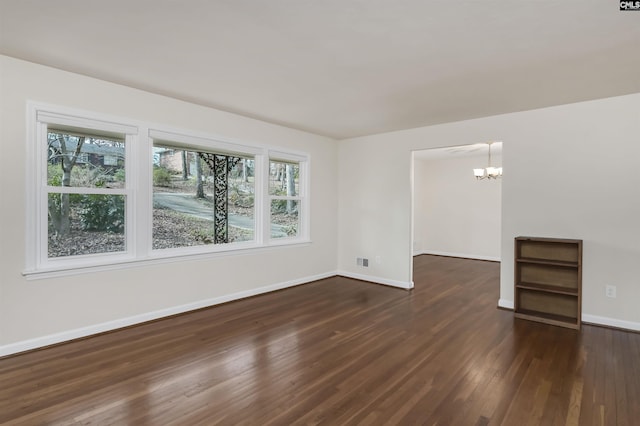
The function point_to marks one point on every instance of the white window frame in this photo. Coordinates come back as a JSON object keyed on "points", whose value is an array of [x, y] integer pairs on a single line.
{"points": [[43, 118], [217, 146], [138, 190], [301, 197]]}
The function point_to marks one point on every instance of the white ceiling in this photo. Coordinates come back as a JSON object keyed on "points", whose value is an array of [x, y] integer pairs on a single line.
{"points": [[340, 68]]}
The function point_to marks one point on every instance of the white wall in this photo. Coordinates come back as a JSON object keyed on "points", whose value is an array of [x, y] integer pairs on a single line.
{"points": [[570, 171], [455, 214], [34, 312]]}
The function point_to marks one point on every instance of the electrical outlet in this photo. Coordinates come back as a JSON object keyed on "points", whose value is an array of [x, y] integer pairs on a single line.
{"points": [[365, 262], [610, 291], [359, 261]]}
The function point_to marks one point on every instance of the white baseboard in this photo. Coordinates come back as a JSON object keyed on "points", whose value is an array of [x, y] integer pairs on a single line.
{"points": [[506, 304], [407, 285], [77, 333], [610, 322], [589, 319], [462, 255]]}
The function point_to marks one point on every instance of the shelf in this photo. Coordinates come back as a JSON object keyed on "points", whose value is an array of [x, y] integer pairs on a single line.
{"points": [[548, 288], [547, 275], [548, 280], [547, 262], [554, 241], [545, 318]]}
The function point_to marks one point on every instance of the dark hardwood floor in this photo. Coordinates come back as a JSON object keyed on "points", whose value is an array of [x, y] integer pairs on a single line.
{"points": [[338, 352]]}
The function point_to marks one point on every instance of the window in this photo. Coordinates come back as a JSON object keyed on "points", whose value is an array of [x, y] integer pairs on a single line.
{"points": [[113, 191], [285, 198], [86, 198], [202, 197]]}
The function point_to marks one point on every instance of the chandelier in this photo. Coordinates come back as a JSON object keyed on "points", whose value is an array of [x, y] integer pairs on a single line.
{"points": [[488, 172]]}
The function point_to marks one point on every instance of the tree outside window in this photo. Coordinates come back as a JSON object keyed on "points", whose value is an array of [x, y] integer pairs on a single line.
{"points": [[86, 203], [284, 192], [201, 198]]}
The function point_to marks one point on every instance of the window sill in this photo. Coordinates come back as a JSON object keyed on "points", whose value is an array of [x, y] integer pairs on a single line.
{"points": [[158, 257]]}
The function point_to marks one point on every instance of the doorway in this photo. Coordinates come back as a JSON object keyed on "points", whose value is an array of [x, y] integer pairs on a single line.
{"points": [[454, 213]]}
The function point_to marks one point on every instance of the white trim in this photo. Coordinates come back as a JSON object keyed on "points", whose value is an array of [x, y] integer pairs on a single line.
{"points": [[462, 255], [159, 257], [52, 339], [611, 322], [85, 190], [407, 285], [31, 180], [189, 141], [286, 156], [77, 119], [589, 319], [506, 304], [286, 197], [262, 230]]}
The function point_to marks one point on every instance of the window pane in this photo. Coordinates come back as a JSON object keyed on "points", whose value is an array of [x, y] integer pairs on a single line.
{"points": [[284, 218], [184, 198], [99, 163], [283, 178], [241, 201], [85, 224]]}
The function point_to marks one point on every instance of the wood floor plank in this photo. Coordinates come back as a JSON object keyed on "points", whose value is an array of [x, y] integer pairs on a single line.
{"points": [[337, 352]]}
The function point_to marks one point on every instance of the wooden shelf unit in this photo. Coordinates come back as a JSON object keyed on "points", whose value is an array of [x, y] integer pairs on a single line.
{"points": [[548, 280]]}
